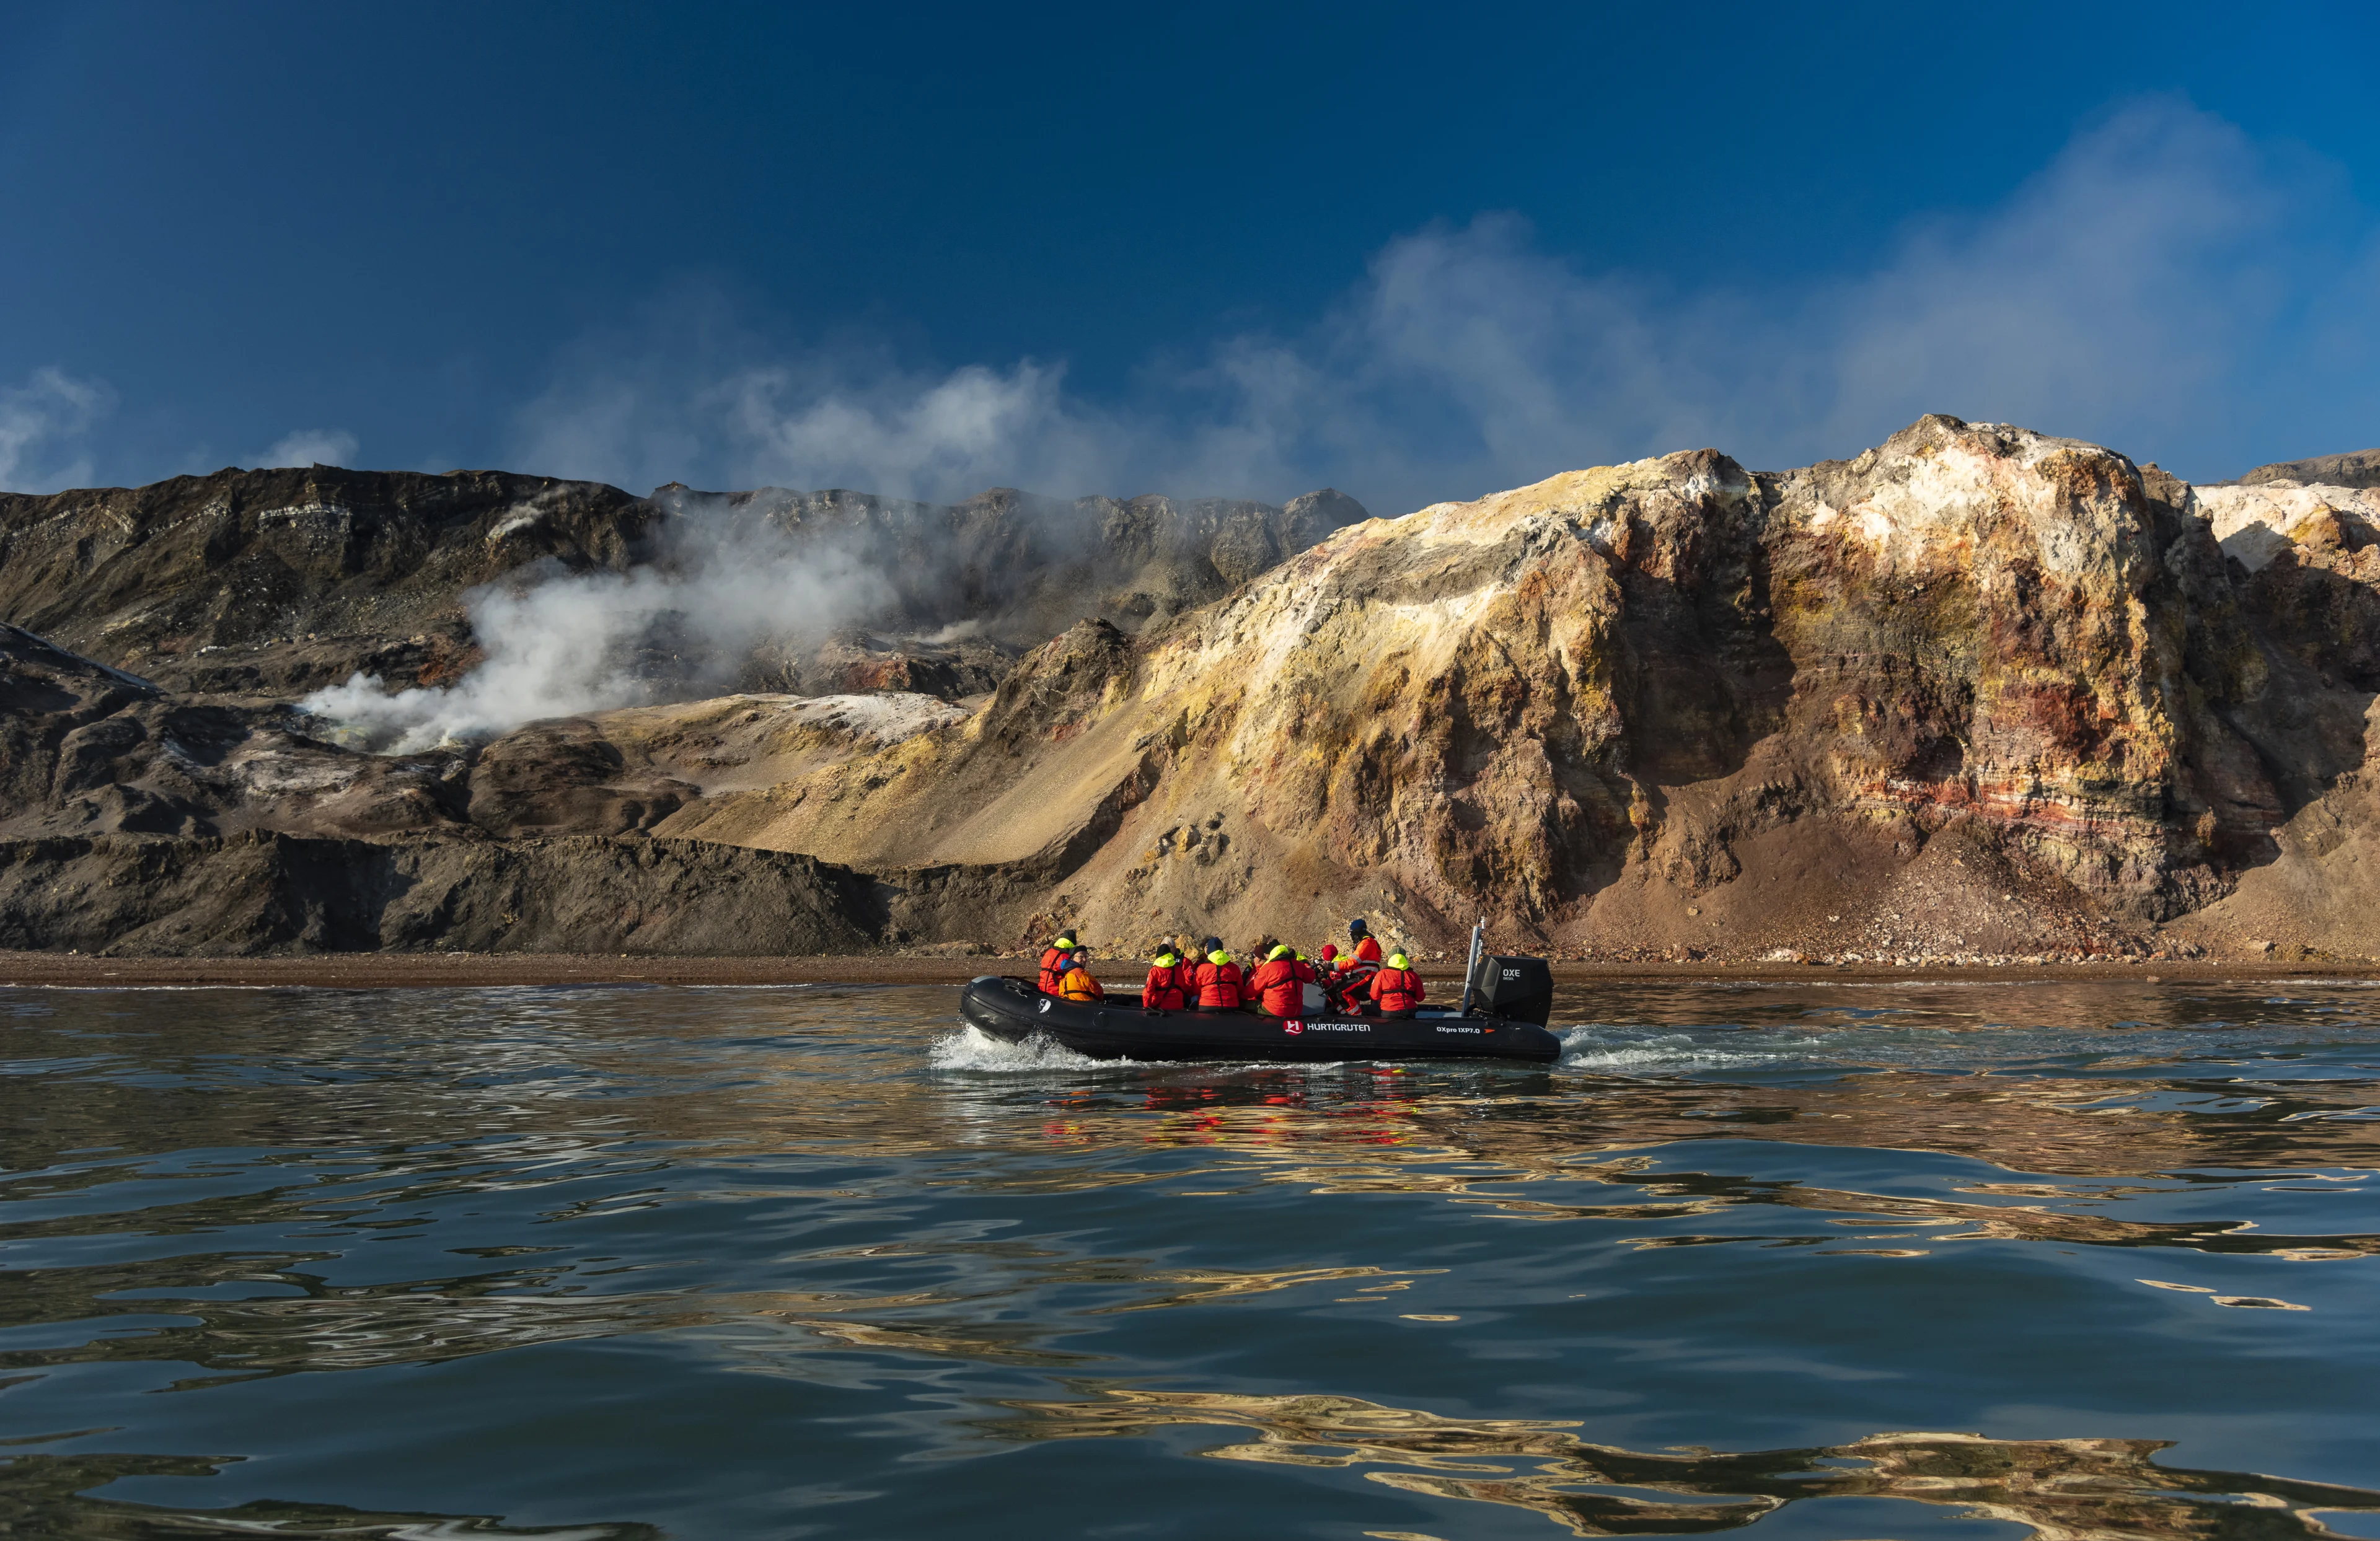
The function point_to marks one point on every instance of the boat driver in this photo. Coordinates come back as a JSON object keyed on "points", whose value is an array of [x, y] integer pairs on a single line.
{"points": [[1054, 959]]}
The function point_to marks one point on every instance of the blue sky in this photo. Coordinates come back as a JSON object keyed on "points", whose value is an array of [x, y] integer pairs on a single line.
{"points": [[1415, 252]]}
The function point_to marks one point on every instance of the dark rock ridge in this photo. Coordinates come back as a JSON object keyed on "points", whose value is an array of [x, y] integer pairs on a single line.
{"points": [[240, 591], [269, 893], [2357, 468], [279, 582], [1976, 693], [976, 582]]}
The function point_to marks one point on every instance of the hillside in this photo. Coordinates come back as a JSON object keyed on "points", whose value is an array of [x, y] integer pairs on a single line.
{"points": [[1976, 693], [275, 583]]}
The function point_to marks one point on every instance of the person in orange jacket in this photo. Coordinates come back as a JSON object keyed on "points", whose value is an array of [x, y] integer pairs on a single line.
{"points": [[1280, 982], [1169, 985], [1077, 982], [1218, 979], [1396, 987], [1054, 959], [1367, 948]]}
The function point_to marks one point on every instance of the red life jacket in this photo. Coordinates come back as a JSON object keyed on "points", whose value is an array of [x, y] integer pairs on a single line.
{"points": [[1219, 984], [1055, 961], [1168, 989], [1397, 990], [1368, 951], [1282, 984]]}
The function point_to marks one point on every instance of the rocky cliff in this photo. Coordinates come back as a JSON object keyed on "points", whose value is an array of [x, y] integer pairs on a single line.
{"points": [[1977, 693], [280, 582]]}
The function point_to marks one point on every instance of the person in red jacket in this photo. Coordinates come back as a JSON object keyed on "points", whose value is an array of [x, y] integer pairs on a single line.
{"points": [[1218, 979], [1396, 988], [1356, 966], [1280, 982], [1342, 987], [1169, 985], [1054, 959]]}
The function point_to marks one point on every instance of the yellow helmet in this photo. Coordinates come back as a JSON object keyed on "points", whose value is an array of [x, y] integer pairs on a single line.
{"points": [[1397, 959]]}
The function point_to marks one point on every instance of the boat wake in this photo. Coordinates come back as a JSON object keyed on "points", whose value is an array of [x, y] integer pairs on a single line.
{"points": [[1652, 1052], [972, 1048]]}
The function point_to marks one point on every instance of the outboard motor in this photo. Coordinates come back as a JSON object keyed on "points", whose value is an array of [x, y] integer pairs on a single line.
{"points": [[1518, 989]]}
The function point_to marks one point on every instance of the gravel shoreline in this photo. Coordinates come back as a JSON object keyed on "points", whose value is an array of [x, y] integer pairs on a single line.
{"points": [[476, 970]]}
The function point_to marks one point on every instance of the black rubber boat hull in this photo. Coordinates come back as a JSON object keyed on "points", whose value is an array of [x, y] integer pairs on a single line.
{"points": [[1015, 1010]]}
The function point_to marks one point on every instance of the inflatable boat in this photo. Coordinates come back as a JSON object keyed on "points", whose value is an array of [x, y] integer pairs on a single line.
{"points": [[1502, 1015]]}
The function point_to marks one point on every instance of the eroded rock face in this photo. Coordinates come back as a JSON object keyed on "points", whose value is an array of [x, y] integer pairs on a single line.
{"points": [[87, 750], [1979, 689], [136, 821], [2311, 555], [2355, 469], [972, 585], [1014, 569], [246, 895], [275, 582]]}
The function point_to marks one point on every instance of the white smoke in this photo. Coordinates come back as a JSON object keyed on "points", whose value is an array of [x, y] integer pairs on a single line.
{"points": [[44, 426], [560, 643]]}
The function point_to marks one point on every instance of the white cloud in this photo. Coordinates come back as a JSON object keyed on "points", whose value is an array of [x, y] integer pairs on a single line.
{"points": [[45, 431], [2166, 285], [312, 447]]}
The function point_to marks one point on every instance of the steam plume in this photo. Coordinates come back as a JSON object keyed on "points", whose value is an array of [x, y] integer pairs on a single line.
{"points": [[559, 643]]}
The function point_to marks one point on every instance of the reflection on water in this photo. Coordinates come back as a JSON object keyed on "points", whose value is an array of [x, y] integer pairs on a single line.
{"points": [[2056, 1488], [42, 1497], [648, 1262]]}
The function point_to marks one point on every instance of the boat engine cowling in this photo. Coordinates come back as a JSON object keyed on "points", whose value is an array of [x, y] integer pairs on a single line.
{"points": [[1518, 989]]}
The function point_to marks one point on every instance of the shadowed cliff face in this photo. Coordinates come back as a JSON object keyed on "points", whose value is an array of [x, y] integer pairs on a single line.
{"points": [[1977, 690], [1017, 569], [281, 582]]}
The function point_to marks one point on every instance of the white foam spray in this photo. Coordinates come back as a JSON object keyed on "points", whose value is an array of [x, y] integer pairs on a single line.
{"points": [[972, 1048]]}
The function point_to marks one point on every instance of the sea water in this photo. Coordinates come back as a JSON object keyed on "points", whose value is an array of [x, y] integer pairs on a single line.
{"points": [[1822, 1259]]}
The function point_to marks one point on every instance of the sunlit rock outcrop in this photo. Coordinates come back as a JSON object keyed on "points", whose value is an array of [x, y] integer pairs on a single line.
{"points": [[1978, 690]]}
